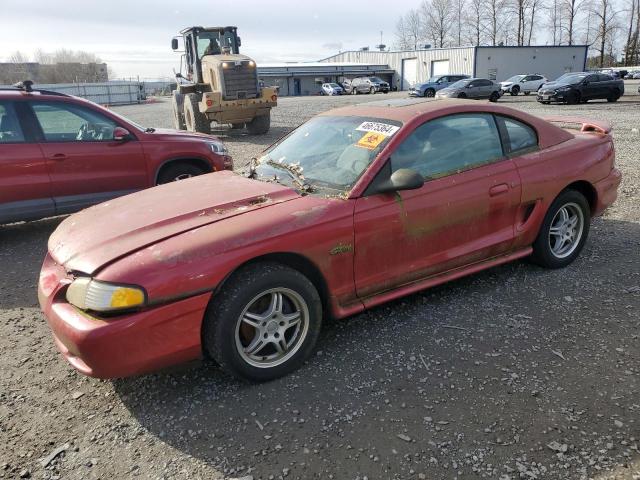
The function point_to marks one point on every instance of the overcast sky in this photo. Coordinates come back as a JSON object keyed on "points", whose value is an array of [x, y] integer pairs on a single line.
{"points": [[134, 36]]}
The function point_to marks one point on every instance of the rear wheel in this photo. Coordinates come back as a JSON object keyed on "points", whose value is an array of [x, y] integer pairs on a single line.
{"points": [[178, 171], [429, 92], [494, 97], [264, 323], [564, 231], [259, 125], [177, 109], [194, 120], [613, 96]]}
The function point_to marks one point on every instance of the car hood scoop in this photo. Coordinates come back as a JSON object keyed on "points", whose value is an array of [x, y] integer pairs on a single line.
{"points": [[94, 237]]}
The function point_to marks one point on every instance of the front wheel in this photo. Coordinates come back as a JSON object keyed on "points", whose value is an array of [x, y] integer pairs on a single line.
{"points": [[430, 93], [573, 98], [264, 323], [259, 125], [372, 90], [462, 95], [494, 97], [194, 120], [564, 231], [515, 90], [178, 171]]}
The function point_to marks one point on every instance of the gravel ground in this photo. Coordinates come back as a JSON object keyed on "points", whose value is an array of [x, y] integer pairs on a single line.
{"points": [[516, 372]]}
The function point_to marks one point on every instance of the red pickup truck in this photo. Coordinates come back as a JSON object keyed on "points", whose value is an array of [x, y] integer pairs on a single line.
{"points": [[60, 154]]}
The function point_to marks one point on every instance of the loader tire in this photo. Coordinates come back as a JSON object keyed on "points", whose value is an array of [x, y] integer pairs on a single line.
{"points": [[177, 108], [193, 119], [259, 125]]}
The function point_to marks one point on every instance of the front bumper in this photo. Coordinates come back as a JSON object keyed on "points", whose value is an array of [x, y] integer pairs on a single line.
{"points": [[129, 344], [415, 93], [551, 96]]}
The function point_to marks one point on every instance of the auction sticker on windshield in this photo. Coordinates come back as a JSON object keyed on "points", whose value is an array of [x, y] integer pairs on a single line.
{"points": [[383, 128], [371, 140]]}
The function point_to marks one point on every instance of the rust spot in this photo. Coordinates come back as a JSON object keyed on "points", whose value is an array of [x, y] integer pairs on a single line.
{"points": [[341, 248], [259, 200]]}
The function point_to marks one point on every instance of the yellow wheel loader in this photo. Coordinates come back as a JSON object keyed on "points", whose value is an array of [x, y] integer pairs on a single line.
{"points": [[219, 84]]}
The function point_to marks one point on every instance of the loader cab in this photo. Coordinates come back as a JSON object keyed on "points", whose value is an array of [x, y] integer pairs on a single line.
{"points": [[199, 41]]}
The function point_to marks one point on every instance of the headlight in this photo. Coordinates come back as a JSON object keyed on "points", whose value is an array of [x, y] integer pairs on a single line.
{"points": [[217, 147], [88, 294], [225, 65], [252, 63]]}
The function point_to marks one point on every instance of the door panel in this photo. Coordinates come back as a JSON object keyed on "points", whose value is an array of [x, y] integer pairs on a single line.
{"points": [[464, 213], [448, 223], [84, 162], [25, 186]]}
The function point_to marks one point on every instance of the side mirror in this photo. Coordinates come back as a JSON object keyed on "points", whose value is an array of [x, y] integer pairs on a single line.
{"points": [[121, 134], [401, 179], [174, 44]]}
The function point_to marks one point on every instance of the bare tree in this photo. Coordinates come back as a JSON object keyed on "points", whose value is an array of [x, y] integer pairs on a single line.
{"points": [[436, 17], [498, 17], [534, 6], [570, 10], [413, 22], [475, 20], [631, 49], [402, 41], [605, 14], [460, 7], [554, 11]]}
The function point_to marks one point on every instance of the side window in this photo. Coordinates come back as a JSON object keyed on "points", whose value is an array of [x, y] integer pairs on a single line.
{"points": [[10, 130], [449, 145], [62, 122], [521, 136]]}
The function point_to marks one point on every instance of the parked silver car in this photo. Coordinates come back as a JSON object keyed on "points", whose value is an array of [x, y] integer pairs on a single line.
{"points": [[331, 89], [472, 88], [369, 85]]}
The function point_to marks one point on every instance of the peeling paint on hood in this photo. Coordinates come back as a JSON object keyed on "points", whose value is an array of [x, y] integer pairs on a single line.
{"points": [[96, 236]]}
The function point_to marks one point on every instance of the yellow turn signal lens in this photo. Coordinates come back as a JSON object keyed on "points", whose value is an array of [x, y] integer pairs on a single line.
{"points": [[125, 297]]}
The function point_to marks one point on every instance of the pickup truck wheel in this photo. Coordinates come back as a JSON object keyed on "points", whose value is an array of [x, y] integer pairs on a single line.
{"points": [[429, 92], [259, 125], [193, 119], [264, 323], [564, 231], [177, 108], [178, 171]]}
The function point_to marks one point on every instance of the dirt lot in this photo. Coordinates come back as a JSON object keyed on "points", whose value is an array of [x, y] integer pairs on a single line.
{"points": [[514, 373]]}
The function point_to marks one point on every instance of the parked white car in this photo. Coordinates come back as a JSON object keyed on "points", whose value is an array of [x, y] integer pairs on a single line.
{"points": [[523, 83], [332, 89]]}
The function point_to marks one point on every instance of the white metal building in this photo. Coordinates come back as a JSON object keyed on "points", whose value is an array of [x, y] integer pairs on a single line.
{"points": [[494, 63]]}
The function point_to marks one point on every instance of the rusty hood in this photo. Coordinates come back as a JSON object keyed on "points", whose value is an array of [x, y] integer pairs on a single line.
{"points": [[92, 238]]}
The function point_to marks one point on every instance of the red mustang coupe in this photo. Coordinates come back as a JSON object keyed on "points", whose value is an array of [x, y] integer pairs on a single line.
{"points": [[357, 206]]}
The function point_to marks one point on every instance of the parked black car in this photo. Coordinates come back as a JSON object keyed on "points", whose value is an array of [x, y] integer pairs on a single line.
{"points": [[581, 87]]}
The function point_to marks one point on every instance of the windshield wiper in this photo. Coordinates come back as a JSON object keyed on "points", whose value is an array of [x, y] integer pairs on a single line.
{"points": [[295, 172]]}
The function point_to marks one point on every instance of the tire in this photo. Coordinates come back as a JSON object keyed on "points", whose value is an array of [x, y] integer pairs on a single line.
{"points": [[252, 289], [430, 93], [259, 125], [515, 90], [372, 91], [177, 109], [462, 95], [237, 126], [354, 91], [494, 97], [527, 93], [573, 98], [178, 171], [547, 251], [194, 120], [614, 96]]}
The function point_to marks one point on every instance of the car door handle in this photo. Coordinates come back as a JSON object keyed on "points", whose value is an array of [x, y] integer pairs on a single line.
{"points": [[59, 157], [498, 189]]}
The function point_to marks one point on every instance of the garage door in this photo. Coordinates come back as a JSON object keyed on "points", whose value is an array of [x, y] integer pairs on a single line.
{"points": [[439, 67], [409, 72]]}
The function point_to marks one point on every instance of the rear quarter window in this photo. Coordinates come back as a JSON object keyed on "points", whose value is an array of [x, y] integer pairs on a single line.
{"points": [[521, 138]]}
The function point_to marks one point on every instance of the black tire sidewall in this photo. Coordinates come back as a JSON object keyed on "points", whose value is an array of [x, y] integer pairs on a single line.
{"points": [[170, 172], [225, 308], [542, 254]]}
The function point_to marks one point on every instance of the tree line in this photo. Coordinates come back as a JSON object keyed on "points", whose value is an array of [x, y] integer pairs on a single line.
{"points": [[609, 27], [61, 66]]}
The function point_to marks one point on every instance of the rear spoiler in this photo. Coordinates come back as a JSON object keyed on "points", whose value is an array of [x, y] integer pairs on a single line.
{"points": [[583, 125]]}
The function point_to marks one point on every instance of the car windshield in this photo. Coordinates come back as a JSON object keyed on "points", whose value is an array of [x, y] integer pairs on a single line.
{"points": [[460, 83], [376, 79], [565, 75], [326, 153], [573, 79], [515, 78], [334, 85]]}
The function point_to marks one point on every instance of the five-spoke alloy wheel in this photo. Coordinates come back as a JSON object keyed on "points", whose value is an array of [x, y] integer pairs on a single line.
{"points": [[264, 321], [564, 230]]}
